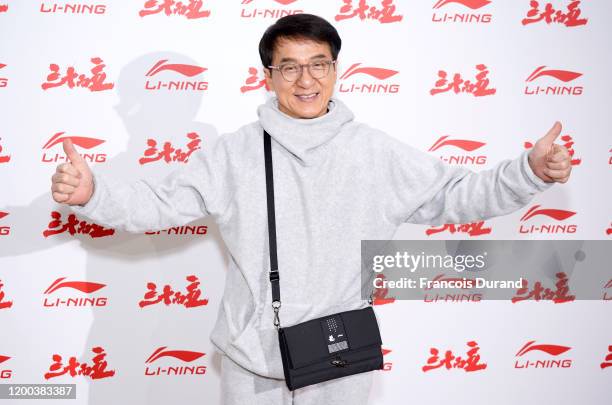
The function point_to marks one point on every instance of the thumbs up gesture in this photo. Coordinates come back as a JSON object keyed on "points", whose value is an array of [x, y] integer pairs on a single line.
{"points": [[72, 182], [549, 161]]}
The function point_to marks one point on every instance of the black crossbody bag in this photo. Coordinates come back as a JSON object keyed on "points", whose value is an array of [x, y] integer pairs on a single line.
{"points": [[324, 348]]}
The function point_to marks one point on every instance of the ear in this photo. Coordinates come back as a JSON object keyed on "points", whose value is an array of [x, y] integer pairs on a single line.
{"points": [[268, 77], [335, 70]]}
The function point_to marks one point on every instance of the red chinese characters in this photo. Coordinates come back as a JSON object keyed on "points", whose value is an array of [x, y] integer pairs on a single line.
{"points": [[558, 296], [5, 158], [470, 364], [3, 80], [384, 15], [253, 82], [71, 78], [568, 143], [458, 85], [472, 229], [609, 230], [96, 371], [74, 226], [168, 296], [550, 15], [379, 296], [607, 286], [4, 304], [608, 360], [191, 11], [168, 153]]}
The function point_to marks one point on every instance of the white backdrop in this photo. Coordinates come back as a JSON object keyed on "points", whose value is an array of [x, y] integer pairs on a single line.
{"points": [[388, 67]]}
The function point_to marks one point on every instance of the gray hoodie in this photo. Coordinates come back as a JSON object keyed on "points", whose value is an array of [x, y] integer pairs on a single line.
{"points": [[336, 182]]}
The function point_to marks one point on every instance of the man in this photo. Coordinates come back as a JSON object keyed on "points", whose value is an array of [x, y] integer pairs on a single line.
{"points": [[336, 182]]}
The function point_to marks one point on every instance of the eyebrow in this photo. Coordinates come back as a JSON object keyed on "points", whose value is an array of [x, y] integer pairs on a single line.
{"points": [[319, 56]]}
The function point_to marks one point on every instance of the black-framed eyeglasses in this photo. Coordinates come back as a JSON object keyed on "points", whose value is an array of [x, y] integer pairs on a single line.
{"points": [[292, 71]]}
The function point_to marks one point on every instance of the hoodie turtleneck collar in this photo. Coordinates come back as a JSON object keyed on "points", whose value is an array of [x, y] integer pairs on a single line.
{"points": [[302, 136]]}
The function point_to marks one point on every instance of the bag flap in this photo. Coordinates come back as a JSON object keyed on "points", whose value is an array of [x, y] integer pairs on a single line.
{"points": [[309, 342]]}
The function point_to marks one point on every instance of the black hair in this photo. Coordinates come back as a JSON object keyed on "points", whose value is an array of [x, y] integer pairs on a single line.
{"points": [[298, 26]]}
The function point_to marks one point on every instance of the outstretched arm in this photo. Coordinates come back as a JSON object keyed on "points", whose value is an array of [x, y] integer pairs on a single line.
{"points": [[428, 191], [188, 193]]}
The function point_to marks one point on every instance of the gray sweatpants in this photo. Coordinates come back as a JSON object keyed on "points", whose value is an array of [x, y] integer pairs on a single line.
{"points": [[240, 386]]}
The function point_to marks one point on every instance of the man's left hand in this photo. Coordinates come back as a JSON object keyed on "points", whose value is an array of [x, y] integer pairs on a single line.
{"points": [[549, 161]]}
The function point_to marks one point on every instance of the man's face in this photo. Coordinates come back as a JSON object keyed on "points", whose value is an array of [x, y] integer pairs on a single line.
{"points": [[306, 97]]}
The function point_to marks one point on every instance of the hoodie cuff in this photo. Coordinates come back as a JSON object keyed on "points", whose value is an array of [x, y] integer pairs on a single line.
{"points": [[537, 183]]}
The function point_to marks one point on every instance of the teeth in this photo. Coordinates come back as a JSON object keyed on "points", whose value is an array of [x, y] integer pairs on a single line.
{"points": [[313, 95]]}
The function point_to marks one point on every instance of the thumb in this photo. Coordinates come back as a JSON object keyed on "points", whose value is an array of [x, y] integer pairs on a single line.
{"points": [[71, 152], [551, 135]]}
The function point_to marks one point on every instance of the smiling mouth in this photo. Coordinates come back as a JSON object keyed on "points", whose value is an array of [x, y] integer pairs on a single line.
{"points": [[307, 97]]}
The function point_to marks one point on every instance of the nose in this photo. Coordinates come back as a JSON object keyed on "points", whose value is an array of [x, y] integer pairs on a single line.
{"points": [[305, 80]]}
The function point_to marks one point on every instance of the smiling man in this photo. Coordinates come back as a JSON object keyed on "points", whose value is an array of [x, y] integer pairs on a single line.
{"points": [[337, 181], [303, 84]]}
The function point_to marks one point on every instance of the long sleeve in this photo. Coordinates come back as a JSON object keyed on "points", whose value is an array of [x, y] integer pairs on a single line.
{"points": [[426, 190], [188, 193]]}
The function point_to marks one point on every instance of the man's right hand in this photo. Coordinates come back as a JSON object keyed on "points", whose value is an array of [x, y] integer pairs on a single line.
{"points": [[72, 182]]}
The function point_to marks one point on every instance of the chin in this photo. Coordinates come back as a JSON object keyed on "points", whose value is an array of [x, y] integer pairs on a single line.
{"points": [[309, 112]]}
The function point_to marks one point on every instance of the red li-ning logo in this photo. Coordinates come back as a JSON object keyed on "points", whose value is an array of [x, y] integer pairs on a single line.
{"points": [[96, 371], [459, 297], [568, 142], [368, 86], [466, 17], [379, 296], [3, 80], [168, 153], [570, 18], [608, 360], [191, 11], [185, 356], [4, 158], [564, 76], [250, 12], [86, 287], [254, 82], [552, 350], [182, 230], [458, 85], [5, 373], [82, 141], [74, 226], [385, 14], [607, 286], [4, 304], [559, 295], [471, 229], [387, 366], [191, 299], [463, 144], [175, 85], [4, 230], [556, 214], [54, 8], [470, 364], [72, 79]]}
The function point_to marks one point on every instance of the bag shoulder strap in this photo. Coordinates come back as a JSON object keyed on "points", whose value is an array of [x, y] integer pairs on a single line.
{"points": [[274, 277]]}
